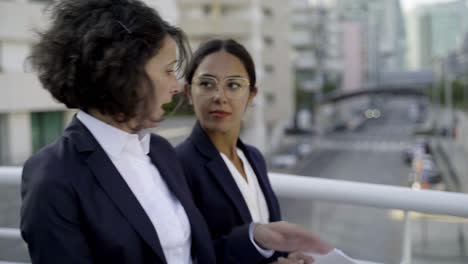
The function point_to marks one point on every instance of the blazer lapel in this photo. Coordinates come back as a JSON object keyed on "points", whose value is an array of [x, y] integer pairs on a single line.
{"points": [[115, 186], [263, 182], [220, 172]]}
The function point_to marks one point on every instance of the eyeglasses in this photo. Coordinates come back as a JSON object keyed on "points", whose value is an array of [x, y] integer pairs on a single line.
{"points": [[233, 87]]}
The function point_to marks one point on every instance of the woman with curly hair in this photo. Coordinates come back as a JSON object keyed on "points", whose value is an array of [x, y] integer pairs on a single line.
{"points": [[108, 191]]}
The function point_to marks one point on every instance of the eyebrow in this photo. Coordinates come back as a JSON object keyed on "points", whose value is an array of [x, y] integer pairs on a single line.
{"points": [[213, 76], [235, 76], [172, 63], [207, 75]]}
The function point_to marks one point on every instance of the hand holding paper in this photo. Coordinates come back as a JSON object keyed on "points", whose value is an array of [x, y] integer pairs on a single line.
{"points": [[287, 237]]}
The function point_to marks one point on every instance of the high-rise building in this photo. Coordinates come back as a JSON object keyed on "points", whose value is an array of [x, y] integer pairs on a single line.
{"points": [[380, 26], [433, 31]]}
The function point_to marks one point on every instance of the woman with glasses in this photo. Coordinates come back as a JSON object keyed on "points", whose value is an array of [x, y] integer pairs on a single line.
{"points": [[228, 178]]}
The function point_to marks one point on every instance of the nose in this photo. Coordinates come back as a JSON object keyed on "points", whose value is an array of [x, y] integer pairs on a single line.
{"points": [[176, 88], [220, 95]]}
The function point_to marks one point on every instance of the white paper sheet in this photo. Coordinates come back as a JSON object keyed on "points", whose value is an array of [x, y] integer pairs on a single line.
{"points": [[336, 256], [333, 257]]}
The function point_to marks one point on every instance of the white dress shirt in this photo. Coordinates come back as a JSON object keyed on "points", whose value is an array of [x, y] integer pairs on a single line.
{"points": [[252, 194], [128, 153]]}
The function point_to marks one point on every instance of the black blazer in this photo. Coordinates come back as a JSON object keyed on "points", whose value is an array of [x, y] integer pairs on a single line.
{"points": [[77, 208], [219, 199]]}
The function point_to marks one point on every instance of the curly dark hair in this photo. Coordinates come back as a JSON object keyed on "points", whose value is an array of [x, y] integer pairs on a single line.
{"points": [[94, 53]]}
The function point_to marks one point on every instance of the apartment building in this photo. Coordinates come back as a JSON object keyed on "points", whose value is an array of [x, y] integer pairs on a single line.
{"points": [[374, 29]]}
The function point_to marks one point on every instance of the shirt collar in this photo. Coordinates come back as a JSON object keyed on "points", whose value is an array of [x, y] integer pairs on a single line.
{"points": [[112, 139]]}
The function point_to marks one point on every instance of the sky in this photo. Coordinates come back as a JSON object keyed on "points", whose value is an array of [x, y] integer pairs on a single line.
{"points": [[408, 4]]}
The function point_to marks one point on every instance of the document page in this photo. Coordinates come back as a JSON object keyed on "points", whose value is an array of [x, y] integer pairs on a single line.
{"points": [[333, 257]]}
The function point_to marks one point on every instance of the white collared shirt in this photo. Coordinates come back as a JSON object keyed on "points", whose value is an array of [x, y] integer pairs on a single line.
{"points": [[128, 153], [252, 194]]}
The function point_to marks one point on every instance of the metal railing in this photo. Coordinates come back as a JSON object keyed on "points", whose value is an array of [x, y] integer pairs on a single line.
{"points": [[317, 189]]}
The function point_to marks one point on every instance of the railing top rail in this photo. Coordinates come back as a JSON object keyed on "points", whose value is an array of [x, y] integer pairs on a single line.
{"points": [[372, 195], [364, 194], [10, 233], [10, 175]]}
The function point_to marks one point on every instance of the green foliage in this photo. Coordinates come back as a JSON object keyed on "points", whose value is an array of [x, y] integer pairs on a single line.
{"points": [[178, 106], [459, 93], [330, 87]]}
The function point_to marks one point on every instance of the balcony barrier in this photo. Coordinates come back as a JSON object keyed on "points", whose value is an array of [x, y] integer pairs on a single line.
{"points": [[345, 192]]}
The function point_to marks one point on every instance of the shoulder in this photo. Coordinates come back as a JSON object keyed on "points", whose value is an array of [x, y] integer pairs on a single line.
{"points": [[161, 143], [52, 162], [186, 151], [50, 176]]}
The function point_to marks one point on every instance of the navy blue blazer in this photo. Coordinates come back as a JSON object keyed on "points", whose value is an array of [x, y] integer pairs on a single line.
{"points": [[77, 208], [219, 199]]}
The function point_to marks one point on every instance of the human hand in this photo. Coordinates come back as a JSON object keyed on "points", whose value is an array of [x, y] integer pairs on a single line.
{"points": [[300, 257], [294, 260], [287, 237]]}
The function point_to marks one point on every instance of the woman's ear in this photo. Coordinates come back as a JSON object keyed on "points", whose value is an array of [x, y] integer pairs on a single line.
{"points": [[252, 94]]}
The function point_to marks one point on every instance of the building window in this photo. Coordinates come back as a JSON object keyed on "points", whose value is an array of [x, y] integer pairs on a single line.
{"points": [[1, 57], [4, 148], [270, 98], [45, 128], [224, 9], [269, 69], [267, 12], [207, 8], [268, 40]]}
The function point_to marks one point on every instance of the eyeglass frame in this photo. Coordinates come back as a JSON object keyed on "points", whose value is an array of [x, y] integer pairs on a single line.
{"points": [[223, 82]]}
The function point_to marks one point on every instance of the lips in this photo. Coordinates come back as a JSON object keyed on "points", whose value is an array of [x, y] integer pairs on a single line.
{"points": [[219, 113]]}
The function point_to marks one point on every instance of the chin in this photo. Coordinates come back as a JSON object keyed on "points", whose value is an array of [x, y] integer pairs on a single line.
{"points": [[221, 127]]}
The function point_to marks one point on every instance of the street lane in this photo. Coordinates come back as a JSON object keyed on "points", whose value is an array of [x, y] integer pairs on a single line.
{"points": [[372, 155]]}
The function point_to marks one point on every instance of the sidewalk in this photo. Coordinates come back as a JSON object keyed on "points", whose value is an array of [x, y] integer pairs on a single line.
{"points": [[442, 239], [457, 161], [452, 154], [439, 240]]}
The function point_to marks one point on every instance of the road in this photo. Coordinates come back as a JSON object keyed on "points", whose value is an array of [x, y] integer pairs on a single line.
{"points": [[371, 155]]}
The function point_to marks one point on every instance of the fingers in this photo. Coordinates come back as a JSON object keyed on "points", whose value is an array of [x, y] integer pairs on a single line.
{"points": [[287, 237], [298, 238], [301, 256], [289, 261]]}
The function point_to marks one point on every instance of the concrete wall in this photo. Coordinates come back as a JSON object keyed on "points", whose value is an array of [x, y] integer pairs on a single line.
{"points": [[20, 140], [352, 51], [18, 19], [23, 93], [462, 130]]}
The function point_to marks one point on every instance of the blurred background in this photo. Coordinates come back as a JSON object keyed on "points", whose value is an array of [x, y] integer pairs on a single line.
{"points": [[369, 91]]}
